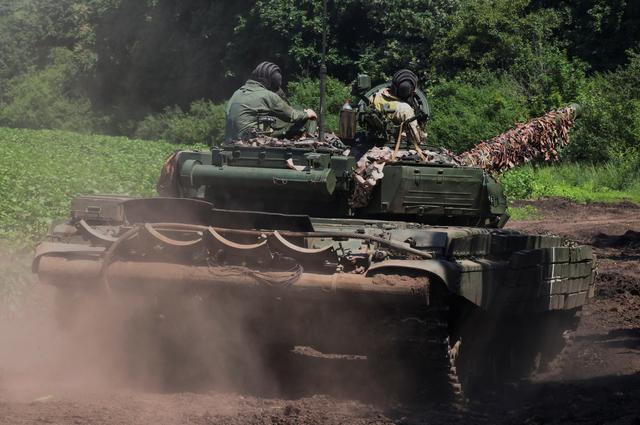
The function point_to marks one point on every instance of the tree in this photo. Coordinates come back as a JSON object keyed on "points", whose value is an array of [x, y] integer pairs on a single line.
{"points": [[374, 36]]}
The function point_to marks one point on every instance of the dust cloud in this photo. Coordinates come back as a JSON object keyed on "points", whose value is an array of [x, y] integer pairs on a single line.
{"points": [[64, 342]]}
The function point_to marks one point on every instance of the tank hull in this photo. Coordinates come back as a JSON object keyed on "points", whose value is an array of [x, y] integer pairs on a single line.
{"points": [[447, 307]]}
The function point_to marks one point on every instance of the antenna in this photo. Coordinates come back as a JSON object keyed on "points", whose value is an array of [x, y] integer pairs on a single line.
{"points": [[323, 73]]}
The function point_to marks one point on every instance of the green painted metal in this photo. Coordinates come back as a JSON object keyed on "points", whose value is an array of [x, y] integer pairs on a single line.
{"points": [[317, 185], [410, 191]]}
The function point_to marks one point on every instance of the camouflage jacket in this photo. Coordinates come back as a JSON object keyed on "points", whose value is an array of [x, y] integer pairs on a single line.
{"points": [[251, 101]]}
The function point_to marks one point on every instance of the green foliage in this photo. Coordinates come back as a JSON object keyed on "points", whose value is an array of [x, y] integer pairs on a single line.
{"points": [[30, 29], [513, 38], [598, 31], [108, 65], [492, 34], [615, 180], [306, 93], [373, 36], [525, 212], [41, 171], [204, 122], [519, 183], [477, 107], [48, 98], [610, 123], [547, 78]]}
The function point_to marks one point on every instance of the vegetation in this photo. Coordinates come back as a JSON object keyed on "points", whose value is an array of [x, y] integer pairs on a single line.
{"points": [[525, 212], [40, 171], [162, 69], [307, 92], [582, 182], [204, 122]]}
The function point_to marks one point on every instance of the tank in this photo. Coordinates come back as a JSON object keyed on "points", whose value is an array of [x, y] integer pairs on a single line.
{"points": [[420, 278]]}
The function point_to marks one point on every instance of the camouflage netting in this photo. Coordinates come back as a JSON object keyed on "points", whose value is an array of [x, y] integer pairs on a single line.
{"points": [[538, 138], [331, 141]]}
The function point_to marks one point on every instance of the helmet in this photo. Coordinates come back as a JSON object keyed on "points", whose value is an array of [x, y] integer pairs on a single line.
{"points": [[404, 84], [269, 75]]}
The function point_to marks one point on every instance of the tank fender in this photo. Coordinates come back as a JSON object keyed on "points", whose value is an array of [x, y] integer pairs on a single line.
{"points": [[446, 272]]}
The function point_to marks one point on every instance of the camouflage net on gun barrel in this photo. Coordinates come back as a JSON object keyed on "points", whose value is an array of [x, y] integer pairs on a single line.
{"points": [[538, 138]]}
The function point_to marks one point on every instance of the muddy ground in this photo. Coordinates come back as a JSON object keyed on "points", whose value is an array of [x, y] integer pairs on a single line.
{"points": [[43, 379]]}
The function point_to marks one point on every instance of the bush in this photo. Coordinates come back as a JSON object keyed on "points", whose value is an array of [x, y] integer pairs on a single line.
{"points": [[610, 122], [548, 79], [204, 122], [519, 182], [50, 97], [474, 108]]}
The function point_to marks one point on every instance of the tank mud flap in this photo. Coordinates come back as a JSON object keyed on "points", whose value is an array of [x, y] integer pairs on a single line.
{"points": [[445, 272]]}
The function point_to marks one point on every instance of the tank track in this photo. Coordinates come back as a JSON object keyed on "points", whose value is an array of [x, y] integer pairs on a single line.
{"points": [[420, 363], [434, 359], [519, 348]]}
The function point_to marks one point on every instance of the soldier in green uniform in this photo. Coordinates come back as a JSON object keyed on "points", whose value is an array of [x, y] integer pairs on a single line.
{"points": [[258, 98]]}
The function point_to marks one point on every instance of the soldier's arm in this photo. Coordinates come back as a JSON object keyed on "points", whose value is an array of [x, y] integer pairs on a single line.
{"points": [[280, 109]]}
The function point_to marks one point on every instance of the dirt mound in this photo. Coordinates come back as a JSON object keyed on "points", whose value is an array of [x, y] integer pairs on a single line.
{"points": [[630, 239], [613, 284]]}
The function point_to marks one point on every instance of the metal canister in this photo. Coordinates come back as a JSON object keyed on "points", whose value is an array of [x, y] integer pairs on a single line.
{"points": [[348, 122]]}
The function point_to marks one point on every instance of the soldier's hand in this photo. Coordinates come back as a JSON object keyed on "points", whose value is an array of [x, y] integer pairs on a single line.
{"points": [[311, 114]]}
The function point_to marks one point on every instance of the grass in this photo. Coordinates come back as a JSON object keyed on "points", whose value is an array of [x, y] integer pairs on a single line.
{"points": [[610, 182], [42, 170], [525, 212], [589, 183]]}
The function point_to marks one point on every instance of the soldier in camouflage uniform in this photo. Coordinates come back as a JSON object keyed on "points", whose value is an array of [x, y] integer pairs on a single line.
{"points": [[259, 98], [394, 102]]}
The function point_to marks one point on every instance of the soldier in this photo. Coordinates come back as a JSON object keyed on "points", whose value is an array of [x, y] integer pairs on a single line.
{"points": [[394, 101], [259, 98]]}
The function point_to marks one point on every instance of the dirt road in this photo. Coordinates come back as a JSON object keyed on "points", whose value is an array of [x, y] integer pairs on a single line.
{"points": [[600, 383]]}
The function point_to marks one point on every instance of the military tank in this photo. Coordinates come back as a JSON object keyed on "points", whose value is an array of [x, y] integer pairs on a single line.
{"points": [[411, 269]]}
